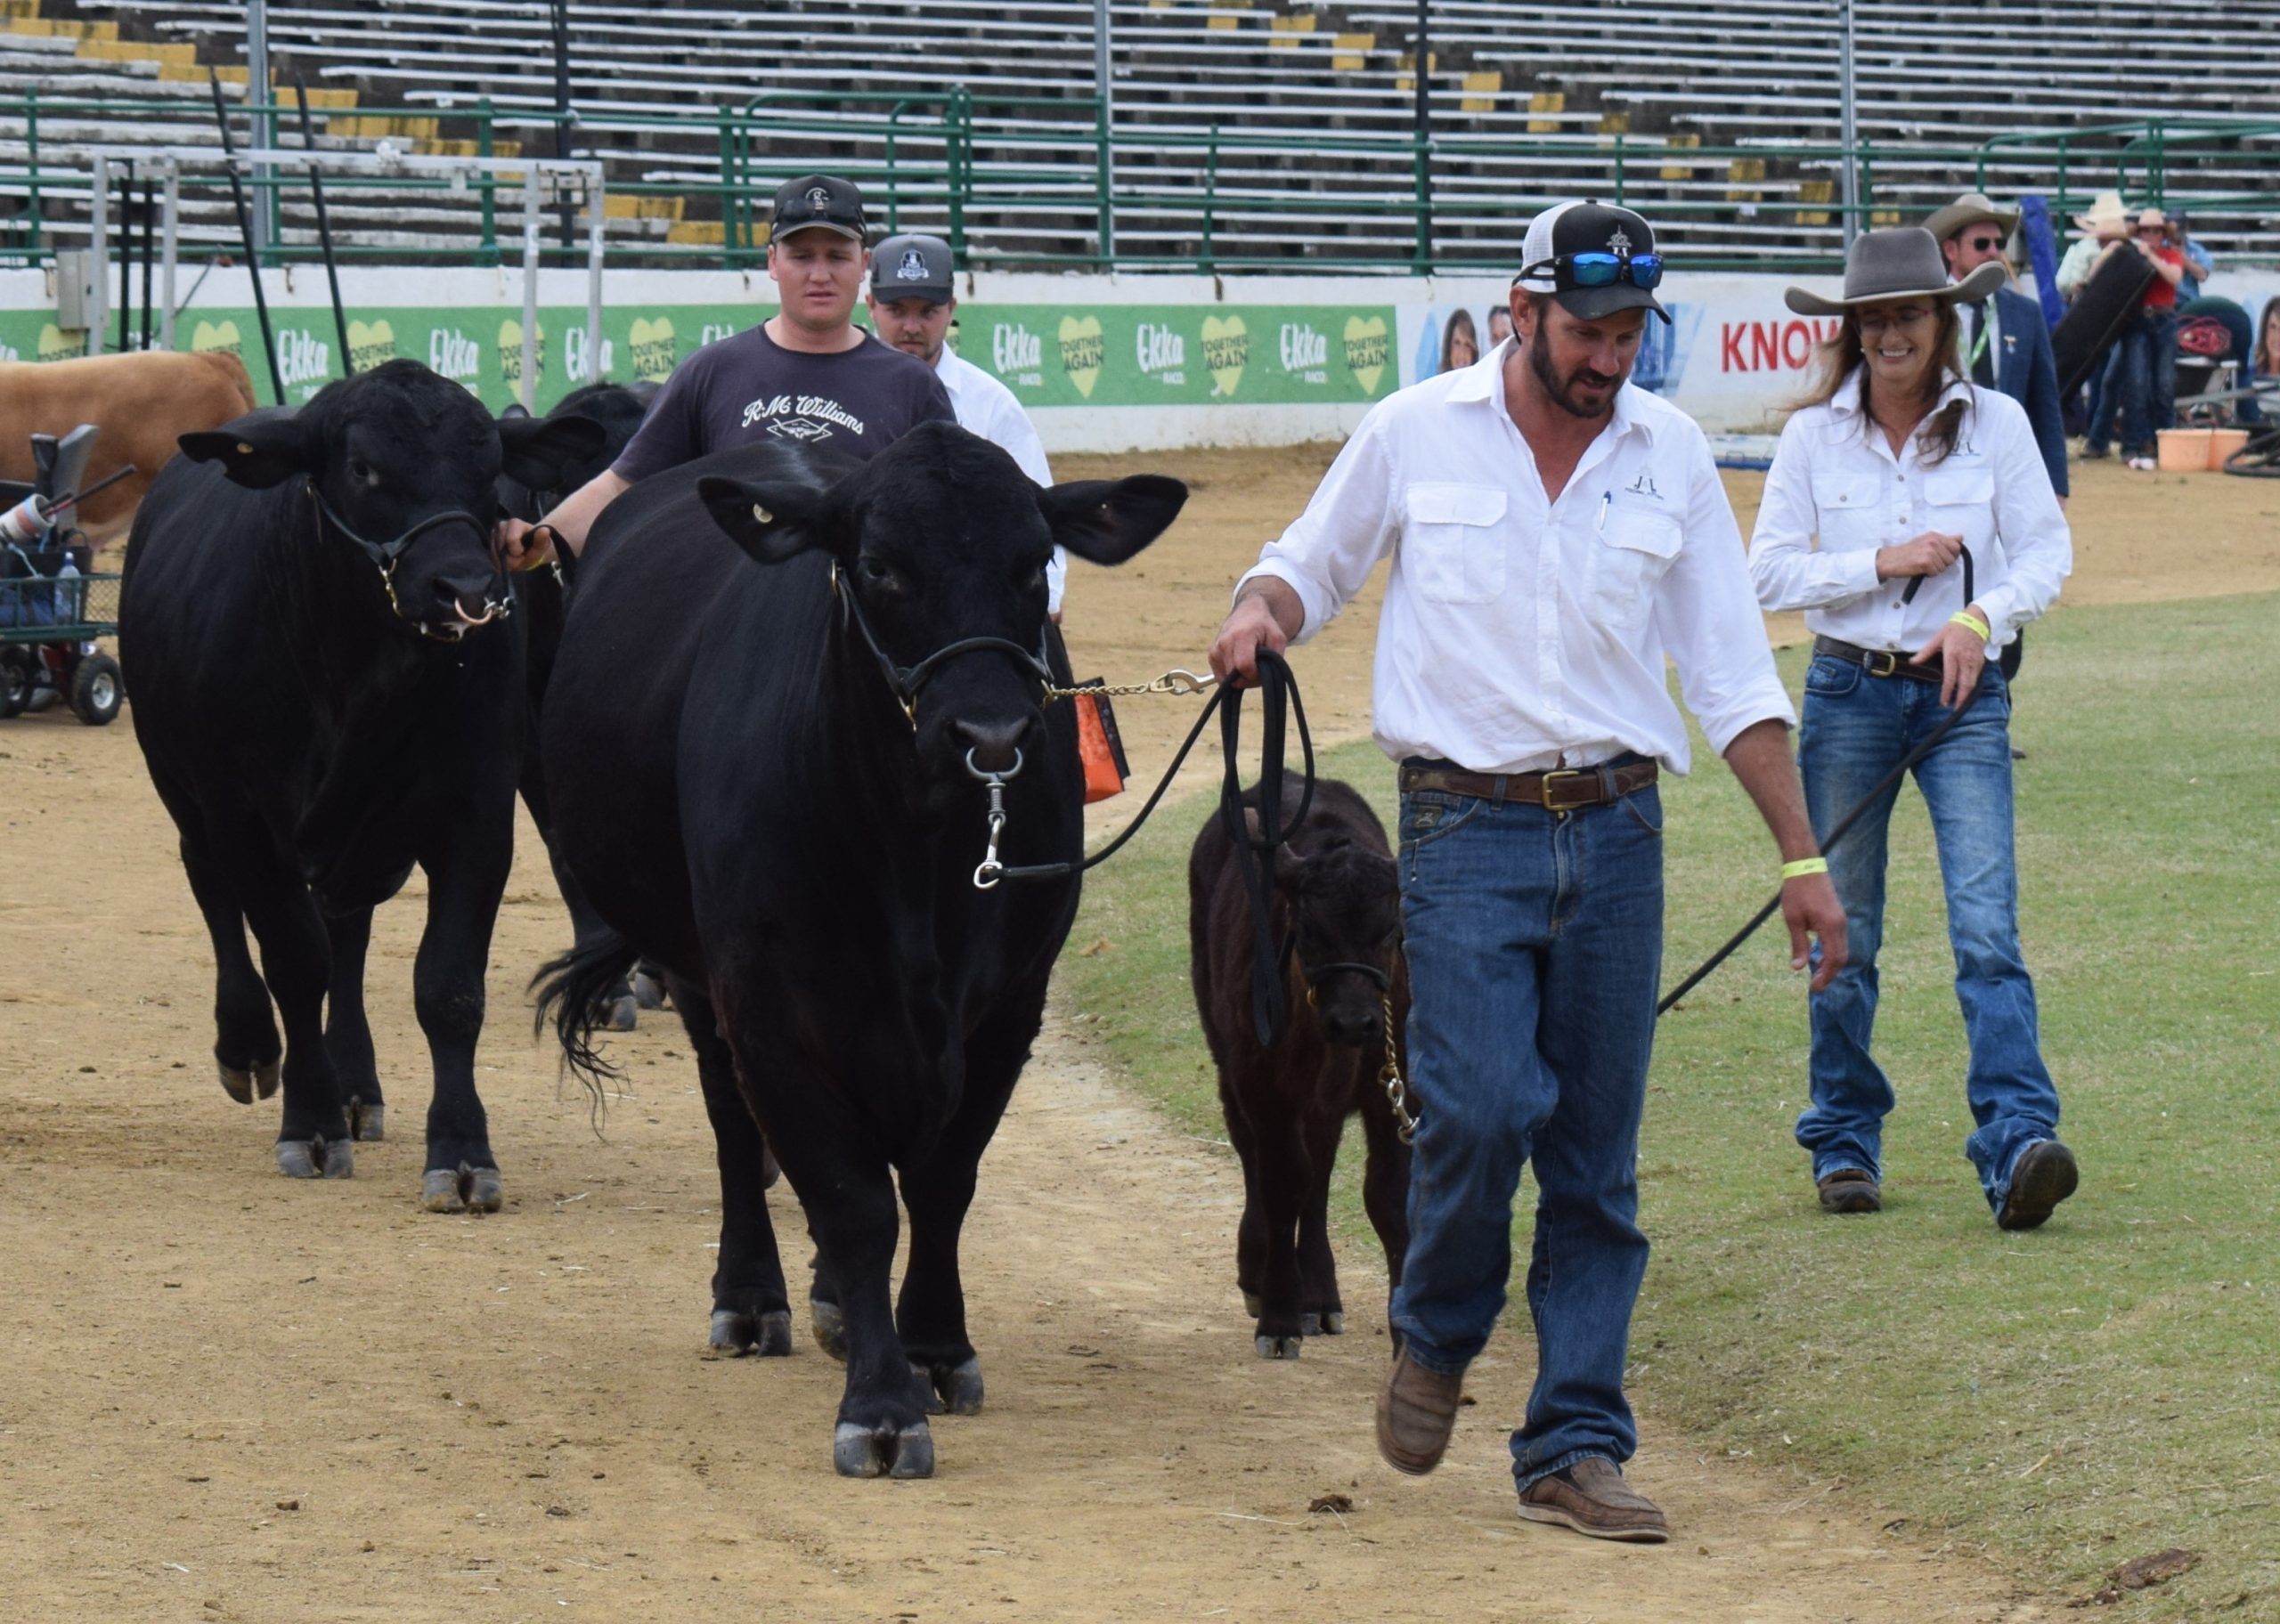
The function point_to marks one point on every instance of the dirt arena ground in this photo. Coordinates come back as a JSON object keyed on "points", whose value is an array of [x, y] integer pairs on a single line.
{"points": [[230, 1397]]}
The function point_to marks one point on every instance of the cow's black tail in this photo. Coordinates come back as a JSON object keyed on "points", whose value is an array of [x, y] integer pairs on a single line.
{"points": [[571, 990]]}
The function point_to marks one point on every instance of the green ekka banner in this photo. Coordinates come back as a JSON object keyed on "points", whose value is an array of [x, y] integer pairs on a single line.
{"points": [[1048, 356]]}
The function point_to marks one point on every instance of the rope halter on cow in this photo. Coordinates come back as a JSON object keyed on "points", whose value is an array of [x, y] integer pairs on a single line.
{"points": [[384, 556], [907, 682]]}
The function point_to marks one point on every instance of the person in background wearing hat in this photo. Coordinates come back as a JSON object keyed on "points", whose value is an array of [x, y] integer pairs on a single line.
{"points": [[806, 375], [912, 301], [2006, 342], [2141, 375], [1908, 511], [1554, 532]]}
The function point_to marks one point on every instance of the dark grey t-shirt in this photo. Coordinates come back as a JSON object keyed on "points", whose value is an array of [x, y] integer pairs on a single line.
{"points": [[747, 387]]}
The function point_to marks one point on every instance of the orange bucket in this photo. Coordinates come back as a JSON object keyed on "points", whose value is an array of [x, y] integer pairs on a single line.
{"points": [[2184, 451], [2222, 443]]}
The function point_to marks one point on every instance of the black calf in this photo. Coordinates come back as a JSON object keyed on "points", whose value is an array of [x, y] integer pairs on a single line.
{"points": [[1336, 913]]}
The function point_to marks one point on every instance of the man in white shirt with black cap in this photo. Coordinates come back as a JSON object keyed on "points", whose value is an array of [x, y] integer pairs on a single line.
{"points": [[913, 298], [1554, 532]]}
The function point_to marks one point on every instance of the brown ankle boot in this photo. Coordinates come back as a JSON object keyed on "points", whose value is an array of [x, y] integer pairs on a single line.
{"points": [[1592, 1498], [1417, 1410]]}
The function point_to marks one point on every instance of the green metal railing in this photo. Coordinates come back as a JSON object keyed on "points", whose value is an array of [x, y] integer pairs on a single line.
{"points": [[1055, 166]]}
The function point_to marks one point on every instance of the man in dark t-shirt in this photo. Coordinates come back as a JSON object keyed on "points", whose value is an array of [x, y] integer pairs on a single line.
{"points": [[806, 375]]}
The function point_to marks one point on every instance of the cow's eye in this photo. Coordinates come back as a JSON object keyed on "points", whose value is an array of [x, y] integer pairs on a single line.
{"points": [[1033, 580], [871, 572], [361, 472]]}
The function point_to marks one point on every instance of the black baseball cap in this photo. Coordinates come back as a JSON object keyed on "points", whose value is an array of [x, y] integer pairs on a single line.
{"points": [[913, 266], [1587, 227], [817, 200]]}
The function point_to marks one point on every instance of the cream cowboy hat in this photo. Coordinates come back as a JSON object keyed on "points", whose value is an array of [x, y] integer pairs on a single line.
{"points": [[1902, 261], [2106, 214], [1971, 208]]}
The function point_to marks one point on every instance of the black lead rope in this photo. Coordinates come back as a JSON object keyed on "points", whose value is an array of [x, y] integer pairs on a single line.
{"points": [[1278, 692], [1279, 705], [1828, 842]]}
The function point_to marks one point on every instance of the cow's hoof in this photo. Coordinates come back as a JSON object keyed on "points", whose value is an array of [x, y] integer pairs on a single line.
{"points": [[246, 1086], [316, 1158], [740, 1333], [863, 1451], [830, 1328], [648, 992], [1252, 1305], [1331, 1324], [955, 1389], [461, 1190], [620, 1014], [1279, 1347], [367, 1123]]}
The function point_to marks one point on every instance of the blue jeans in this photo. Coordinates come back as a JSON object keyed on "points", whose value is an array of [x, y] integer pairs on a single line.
{"points": [[1535, 947], [2140, 394], [1856, 730]]}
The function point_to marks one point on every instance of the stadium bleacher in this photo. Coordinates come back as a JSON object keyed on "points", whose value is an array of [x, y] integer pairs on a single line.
{"points": [[1277, 130]]}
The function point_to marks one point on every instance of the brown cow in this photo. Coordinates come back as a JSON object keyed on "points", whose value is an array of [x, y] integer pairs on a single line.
{"points": [[140, 402]]}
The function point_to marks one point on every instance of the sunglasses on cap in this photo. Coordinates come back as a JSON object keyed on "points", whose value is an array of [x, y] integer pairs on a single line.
{"points": [[1599, 270]]}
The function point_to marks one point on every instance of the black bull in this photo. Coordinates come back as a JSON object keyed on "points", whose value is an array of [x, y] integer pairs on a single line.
{"points": [[768, 824], [326, 697]]}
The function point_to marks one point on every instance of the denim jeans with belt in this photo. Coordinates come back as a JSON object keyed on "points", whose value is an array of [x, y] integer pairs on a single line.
{"points": [[1856, 730], [1535, 947]]}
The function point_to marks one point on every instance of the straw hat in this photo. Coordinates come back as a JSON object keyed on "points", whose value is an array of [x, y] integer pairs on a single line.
{"points": [[1902, 261], [1973, 209], [2107, 215]]}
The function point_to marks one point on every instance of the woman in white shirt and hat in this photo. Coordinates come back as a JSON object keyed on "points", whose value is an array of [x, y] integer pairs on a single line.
{"points": [[1909, 514]]}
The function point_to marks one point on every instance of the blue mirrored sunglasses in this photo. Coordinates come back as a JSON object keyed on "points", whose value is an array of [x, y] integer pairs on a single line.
{"points": [[1597, 270]]}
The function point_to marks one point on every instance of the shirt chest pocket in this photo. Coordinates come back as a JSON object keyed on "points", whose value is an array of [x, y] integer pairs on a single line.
{"points": [[1453, 542], [1851, 510], [1632, 553], [1953, 491]]}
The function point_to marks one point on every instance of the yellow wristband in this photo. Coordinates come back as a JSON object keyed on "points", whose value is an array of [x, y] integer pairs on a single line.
{"points": [[1965, 617], [1804, 866]]}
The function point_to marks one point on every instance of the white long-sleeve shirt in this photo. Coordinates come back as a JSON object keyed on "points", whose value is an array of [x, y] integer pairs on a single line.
{"points": [[986, 407], [1520, 633], [1834, 479]]}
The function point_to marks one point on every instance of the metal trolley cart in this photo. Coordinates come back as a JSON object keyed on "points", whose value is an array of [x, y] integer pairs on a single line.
{"points": [[52, 606]]}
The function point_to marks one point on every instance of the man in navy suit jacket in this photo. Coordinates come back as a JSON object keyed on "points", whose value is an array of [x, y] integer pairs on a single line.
{"points": [[2006, 342]]}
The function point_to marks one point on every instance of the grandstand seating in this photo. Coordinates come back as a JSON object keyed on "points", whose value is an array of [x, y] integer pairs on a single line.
{"points": [[1274, 128]]}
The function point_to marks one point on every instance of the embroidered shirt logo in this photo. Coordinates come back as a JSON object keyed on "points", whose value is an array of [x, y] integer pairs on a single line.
{"points": [[911, 267], [1644, 485], [1620, 243]]}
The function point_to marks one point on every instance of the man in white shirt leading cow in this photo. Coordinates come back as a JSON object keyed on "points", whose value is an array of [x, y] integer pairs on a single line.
{"points": [[913, 298], [1554, 532]]}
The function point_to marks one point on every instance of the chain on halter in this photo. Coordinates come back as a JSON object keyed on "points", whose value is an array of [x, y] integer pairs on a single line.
{"points": [[1176, 681], [1389, 1075]]}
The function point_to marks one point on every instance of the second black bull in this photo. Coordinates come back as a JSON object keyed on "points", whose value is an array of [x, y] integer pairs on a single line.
{"points": [[327, 692], [760, 790]]}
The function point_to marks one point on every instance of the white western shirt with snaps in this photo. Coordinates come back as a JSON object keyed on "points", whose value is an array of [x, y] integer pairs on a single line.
{"points": [[986, 407], [1836, 480], [1522, 633]]}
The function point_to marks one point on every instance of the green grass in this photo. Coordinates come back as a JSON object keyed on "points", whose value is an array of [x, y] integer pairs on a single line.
{"points": [[2065, 1400]]}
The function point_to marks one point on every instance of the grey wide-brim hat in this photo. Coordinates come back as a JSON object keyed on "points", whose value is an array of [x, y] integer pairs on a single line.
{"points": [[1971, 208], [1902, 261]]}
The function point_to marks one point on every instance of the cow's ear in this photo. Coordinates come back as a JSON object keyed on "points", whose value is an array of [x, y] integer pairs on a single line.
{"points": [[771, 519], [1107, 521], [543, 452], [257, 454]]}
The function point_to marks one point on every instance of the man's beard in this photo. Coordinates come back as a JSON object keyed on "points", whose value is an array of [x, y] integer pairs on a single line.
{"points": [[1540, 363]]}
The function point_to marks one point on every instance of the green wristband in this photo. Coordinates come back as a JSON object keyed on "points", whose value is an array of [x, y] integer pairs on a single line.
{"points": [[1965, 617], [1804, 866]]}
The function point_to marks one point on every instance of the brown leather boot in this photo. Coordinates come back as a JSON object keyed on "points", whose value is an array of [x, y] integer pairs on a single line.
{"points": [[1592, 1498], [1417, 1410], [1849, 1190]]}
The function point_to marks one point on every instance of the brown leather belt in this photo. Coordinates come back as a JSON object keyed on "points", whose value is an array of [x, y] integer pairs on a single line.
{"points": [[1563, 791], [1877, 662]]}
